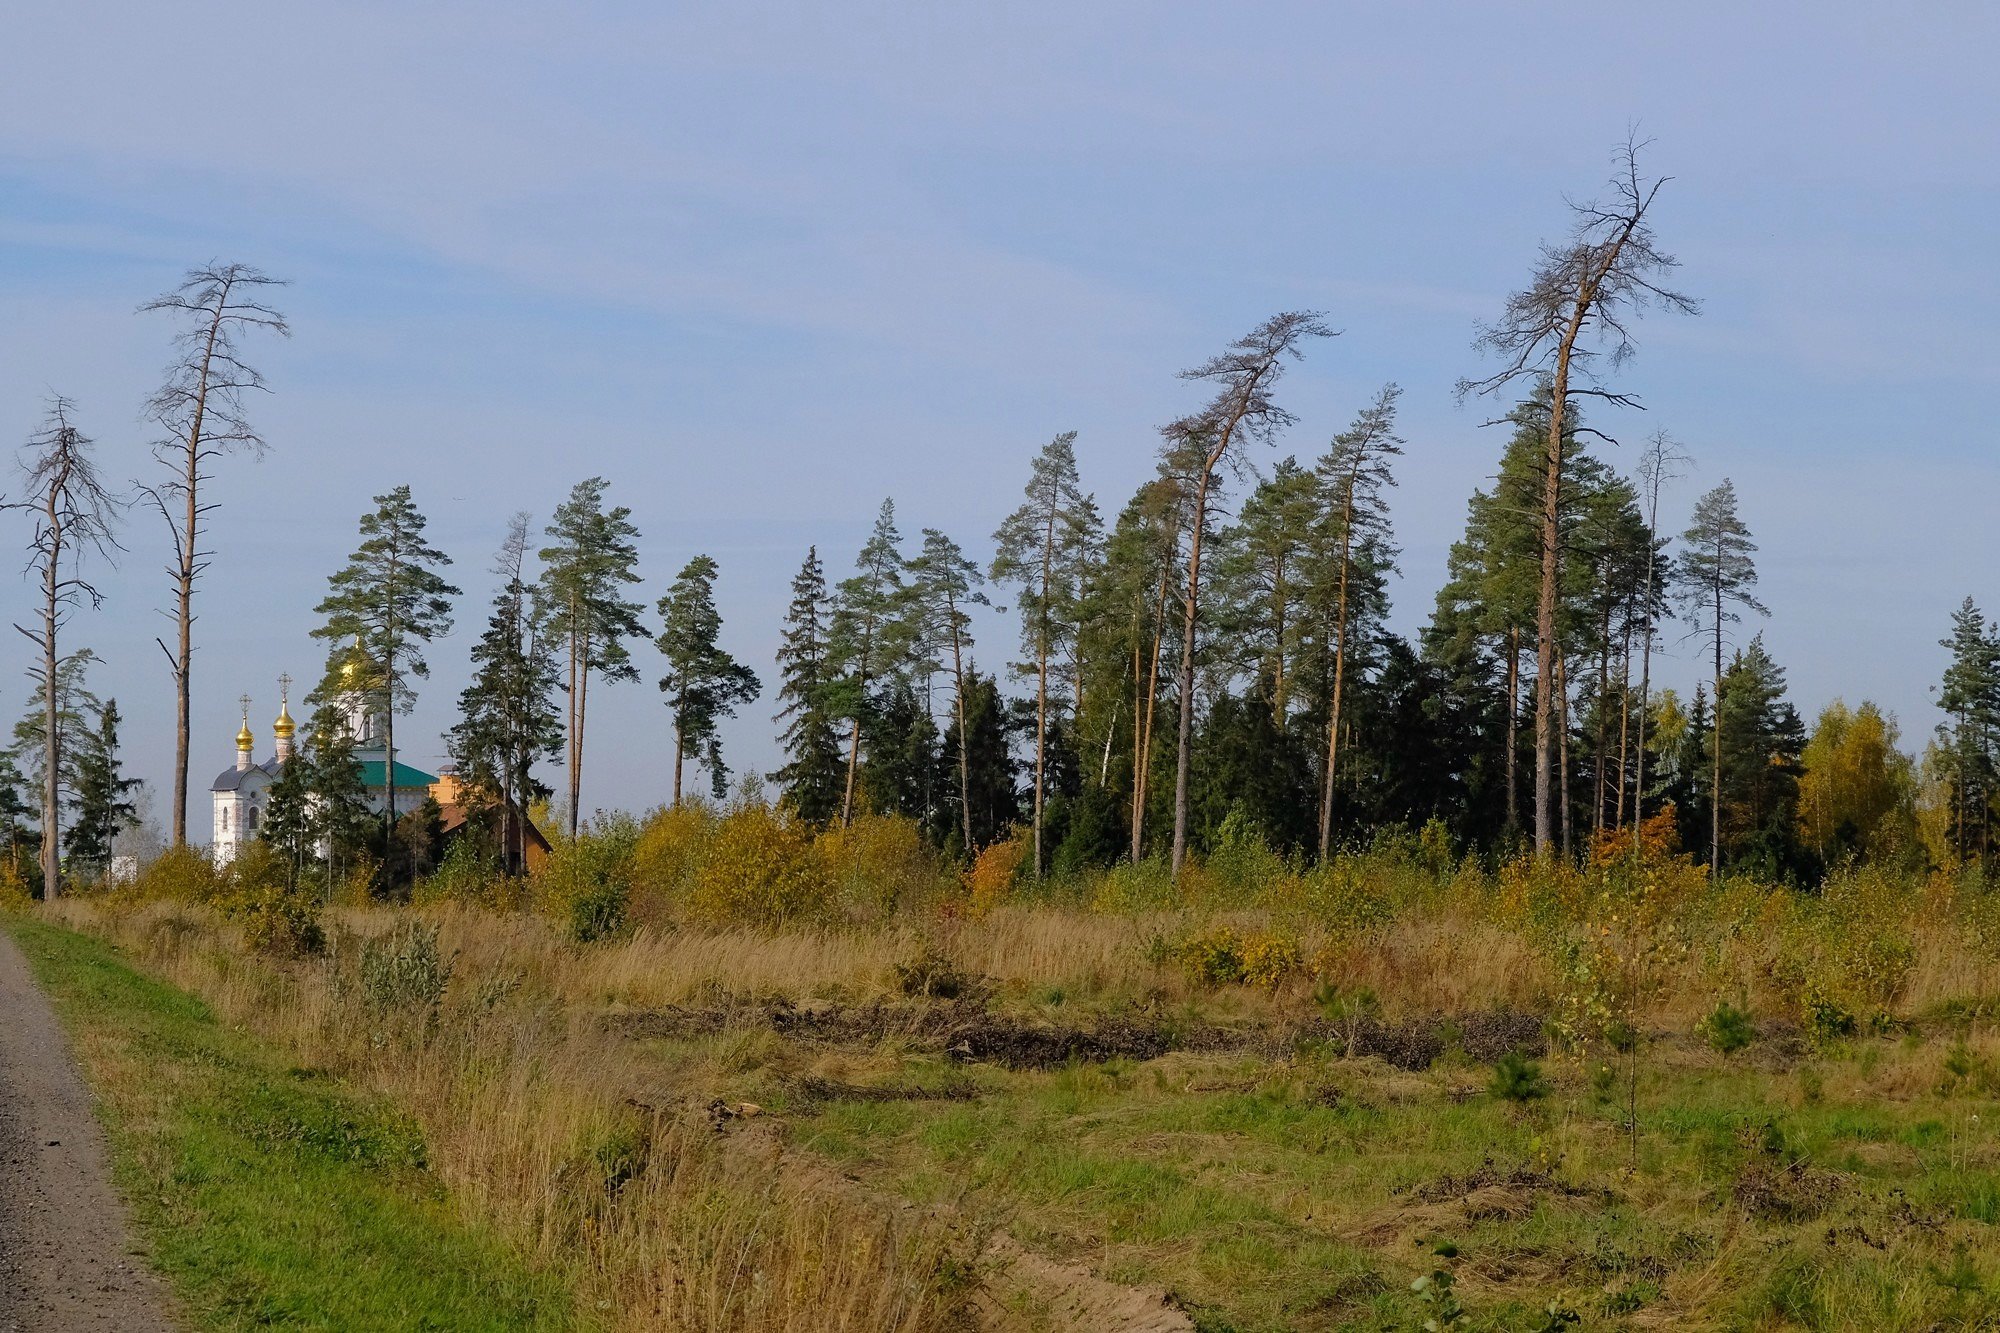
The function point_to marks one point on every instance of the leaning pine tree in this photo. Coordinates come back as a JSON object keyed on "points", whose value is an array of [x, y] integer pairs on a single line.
{"points": [[1355, 528], [1198, 445]]}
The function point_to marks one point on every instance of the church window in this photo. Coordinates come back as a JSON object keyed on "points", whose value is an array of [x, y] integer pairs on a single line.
{"points": [[225, 819], [253, 819]]}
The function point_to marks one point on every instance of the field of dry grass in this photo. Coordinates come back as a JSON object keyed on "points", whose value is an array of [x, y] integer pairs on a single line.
{"points": [[1357, 1098]]}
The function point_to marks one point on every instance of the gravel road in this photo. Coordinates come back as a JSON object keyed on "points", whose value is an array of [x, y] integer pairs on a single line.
{"points": [[66, 1256]]}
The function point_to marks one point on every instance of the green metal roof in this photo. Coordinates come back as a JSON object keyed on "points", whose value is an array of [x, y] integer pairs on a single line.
{"points": [[406, 777]]}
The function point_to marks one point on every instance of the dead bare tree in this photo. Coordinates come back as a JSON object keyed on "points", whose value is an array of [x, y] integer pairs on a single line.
{"points": [[200, 406], [1571, 323], [73, 517], [1242, 411]]}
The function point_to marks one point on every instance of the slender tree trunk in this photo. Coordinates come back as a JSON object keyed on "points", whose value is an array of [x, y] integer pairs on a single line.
{"points": [[1185, 729], [51, 729], [1601, 783], [964, 739], [1624, 720], [582, 706], [184, 576], [1138, 741], [1339, 679], [1144, 776], [680, 750], [572, 702], [1041, 688], [1562, 749], [860, 706], [1715, 790], [1513, 727]]}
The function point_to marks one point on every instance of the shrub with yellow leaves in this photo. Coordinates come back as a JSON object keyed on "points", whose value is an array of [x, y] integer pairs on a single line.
{"points": [[759, 868], [990, 881]]}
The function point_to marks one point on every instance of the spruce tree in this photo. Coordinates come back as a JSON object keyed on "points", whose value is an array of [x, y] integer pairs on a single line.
{"points": [[592, 556], [342, 818], [811, 776], [507, 715], [703, 683], [390, 601], [1717, 574], [1970, 698], [1761, 739], [292, 825], [103, 794]]}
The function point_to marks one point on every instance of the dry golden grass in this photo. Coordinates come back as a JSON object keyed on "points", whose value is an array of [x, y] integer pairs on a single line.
{"points": [[529, 1122]]}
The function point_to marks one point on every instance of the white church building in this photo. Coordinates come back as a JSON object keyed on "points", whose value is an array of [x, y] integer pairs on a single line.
{"points": [[242, 793]]}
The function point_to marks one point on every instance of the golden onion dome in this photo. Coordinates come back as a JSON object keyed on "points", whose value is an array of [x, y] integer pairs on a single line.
{"points": [[284, 727], [244, 740]]}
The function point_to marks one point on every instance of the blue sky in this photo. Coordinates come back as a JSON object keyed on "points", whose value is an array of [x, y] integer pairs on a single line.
{"points": [[761, 265]]}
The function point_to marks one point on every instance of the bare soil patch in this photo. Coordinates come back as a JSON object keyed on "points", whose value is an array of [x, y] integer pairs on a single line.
{"points": [[67, 1260]]}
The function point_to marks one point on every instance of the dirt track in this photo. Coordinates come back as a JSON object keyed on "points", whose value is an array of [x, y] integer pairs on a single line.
{"points": [[66, 1258]]}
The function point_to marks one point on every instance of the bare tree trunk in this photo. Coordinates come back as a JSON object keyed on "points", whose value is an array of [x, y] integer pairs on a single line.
{"points": [[1144, 775], [1601, 784], [576, 773], [679, 752], [1624, 720], [573, 703], [1513, 727], [1561, 699], [1185, 729], [1041, 691], [184, 575], [1138, 743], [1715, 791], [1339, 680], [51, 730], [1545, 606], [964, 738], [854, 739]]}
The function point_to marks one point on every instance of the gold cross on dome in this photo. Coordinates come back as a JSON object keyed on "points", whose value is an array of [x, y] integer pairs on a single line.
{"points": [[284, 689], [244, 699]]}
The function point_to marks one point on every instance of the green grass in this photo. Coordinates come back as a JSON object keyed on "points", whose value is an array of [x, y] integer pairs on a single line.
{"points": [[1266, 1202], [271, 1197]]}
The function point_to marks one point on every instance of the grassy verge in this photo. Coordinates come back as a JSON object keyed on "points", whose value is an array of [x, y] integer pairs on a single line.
{"points": [[271, 1197]]}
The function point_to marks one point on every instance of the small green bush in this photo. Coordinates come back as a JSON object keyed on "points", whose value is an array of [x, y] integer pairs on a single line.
{"points": [[403, 977], [1518, 1079], [1727, 1029]]}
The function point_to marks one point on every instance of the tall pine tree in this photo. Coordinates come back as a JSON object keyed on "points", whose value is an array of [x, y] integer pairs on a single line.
{"points": [[390, 601], [703, 684], [592, 556]]}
